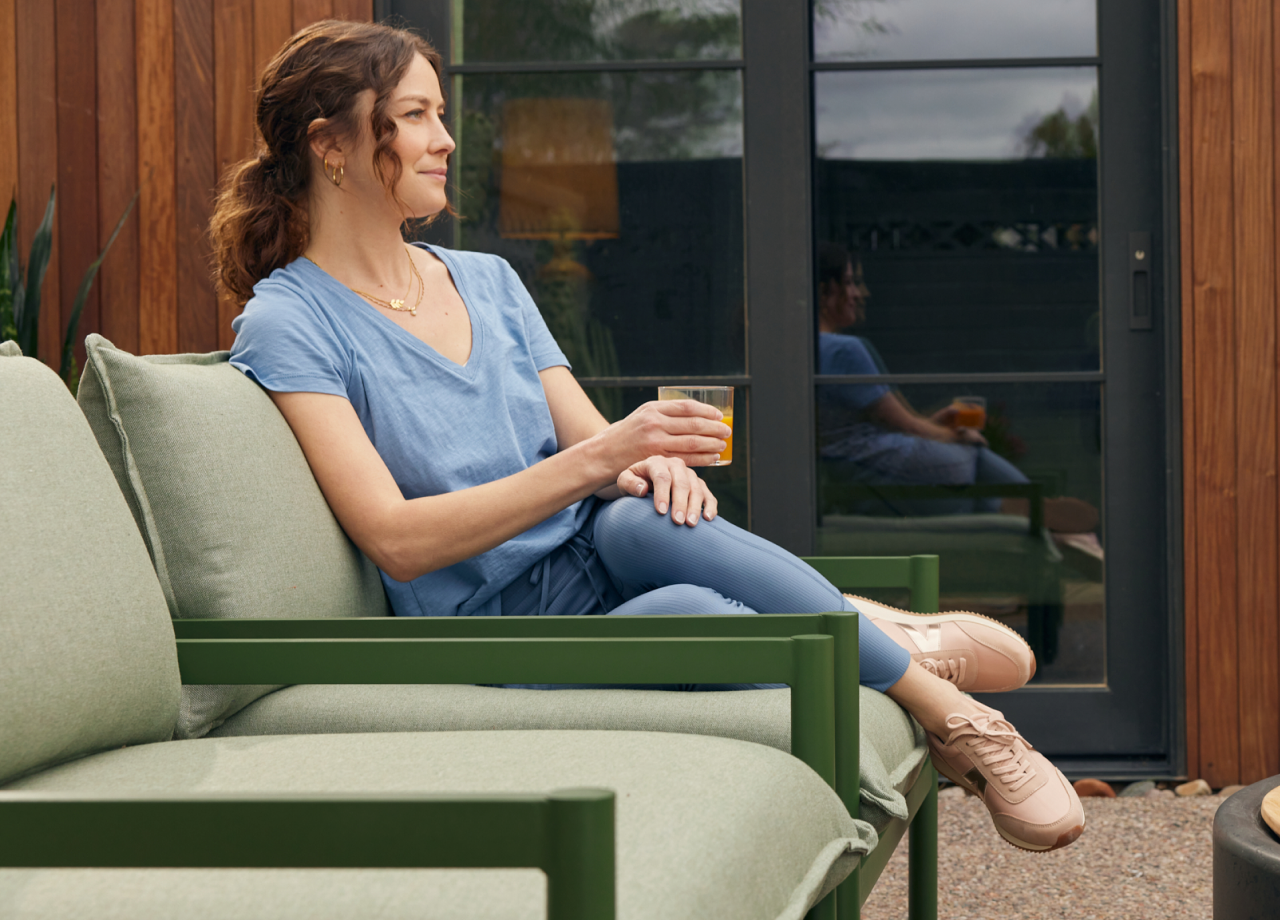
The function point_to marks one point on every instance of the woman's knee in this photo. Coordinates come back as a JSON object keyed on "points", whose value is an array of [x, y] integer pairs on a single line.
{"points": [[679, 600]]}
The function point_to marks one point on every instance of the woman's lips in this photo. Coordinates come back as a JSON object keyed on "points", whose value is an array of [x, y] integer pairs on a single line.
{"points": [[437, 173]]}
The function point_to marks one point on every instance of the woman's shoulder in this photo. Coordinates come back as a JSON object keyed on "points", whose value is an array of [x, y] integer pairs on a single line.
{"points": [[845, 353]]}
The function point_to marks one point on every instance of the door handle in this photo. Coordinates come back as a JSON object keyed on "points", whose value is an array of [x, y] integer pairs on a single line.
{"points": [[1140, 280]]}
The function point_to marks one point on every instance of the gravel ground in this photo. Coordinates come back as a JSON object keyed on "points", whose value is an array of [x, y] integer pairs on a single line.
{"points": [[1139, 858]]}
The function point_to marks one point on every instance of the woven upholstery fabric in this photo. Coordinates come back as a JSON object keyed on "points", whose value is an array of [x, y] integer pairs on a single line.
{"points": [[87, 656], [233, 518], [706, 827], [893, 745]]}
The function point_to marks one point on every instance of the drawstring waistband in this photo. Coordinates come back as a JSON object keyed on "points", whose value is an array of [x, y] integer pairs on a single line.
{"points": [[583, 553]]}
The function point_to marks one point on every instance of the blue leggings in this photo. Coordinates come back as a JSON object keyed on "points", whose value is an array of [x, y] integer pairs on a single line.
{"points": [[629, 560]]}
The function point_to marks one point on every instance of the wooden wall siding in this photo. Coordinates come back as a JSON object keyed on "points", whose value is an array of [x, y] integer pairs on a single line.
{"points": [[1232, 510], [105, 97]]}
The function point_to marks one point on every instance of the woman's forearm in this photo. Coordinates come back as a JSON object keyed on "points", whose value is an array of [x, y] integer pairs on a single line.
{"points": [[889, 412]]}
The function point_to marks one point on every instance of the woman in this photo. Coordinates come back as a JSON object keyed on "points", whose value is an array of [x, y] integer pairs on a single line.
{"points": [[459, 453]]}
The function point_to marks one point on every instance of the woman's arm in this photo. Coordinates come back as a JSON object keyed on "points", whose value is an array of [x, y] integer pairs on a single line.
{"points": [[890, 412], [576, 419], [408, 538]]}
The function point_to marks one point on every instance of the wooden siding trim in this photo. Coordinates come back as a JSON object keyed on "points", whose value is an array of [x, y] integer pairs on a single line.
{"points": [[8, 105], [1258, 690], [77, 161], [272, 26], [157, 218], [38, 152], [234, 77], [196, 172], [305, 12], [117, 171]]}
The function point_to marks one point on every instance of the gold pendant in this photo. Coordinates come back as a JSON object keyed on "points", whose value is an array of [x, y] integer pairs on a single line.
{"points": [[397, 304], [413, 311]]}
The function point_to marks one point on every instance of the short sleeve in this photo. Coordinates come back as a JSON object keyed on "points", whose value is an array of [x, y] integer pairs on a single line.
{"points": [[285, 346], [846, 354], [542, 345]]}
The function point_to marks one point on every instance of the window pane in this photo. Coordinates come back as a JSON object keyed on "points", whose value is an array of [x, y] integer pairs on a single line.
{"points": [[969, 201], [597, 30], [728, 483], [875, 499], [618, 200], [915, 30]]}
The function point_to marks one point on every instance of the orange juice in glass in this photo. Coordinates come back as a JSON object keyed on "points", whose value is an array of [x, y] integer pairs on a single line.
{"points": [[971, 412], [719, 397]]}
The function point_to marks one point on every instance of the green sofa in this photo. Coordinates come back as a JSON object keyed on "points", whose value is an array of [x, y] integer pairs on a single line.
{"points": [[205, 557]]}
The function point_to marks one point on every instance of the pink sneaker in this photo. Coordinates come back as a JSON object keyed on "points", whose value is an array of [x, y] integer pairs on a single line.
{"points": [[1031, 803], [974, 652]]}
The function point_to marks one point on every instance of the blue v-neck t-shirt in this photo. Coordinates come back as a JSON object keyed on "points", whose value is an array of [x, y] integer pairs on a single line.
{"points": [[439, 426]]}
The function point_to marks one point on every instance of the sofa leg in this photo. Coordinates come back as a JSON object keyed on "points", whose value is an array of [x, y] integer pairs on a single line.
{"points": [[922, 903], [824, 909], [849, 897]]}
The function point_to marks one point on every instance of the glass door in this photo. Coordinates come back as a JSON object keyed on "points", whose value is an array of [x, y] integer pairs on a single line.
{"points": [[989, 334]]}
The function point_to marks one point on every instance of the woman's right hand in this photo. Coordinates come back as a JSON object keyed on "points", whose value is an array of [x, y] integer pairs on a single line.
{"points": [[683, 428]]}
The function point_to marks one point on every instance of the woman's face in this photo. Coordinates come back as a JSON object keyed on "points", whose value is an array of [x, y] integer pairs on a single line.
{"points": [[422, 143], [844, 302]]}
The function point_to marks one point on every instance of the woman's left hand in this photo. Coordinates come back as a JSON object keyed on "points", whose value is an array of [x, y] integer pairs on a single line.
{"points": [[672, 483]]}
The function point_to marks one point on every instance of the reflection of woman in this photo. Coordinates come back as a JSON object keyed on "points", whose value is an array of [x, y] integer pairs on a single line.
{"points": [[880, 439], [456, 449]]}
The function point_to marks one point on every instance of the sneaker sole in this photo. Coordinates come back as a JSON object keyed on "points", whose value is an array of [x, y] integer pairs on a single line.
{"points": [[907, 618], [1067, 838]]}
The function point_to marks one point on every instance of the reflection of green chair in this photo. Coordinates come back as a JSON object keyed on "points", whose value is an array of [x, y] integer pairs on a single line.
{"points": [[980, 553]]}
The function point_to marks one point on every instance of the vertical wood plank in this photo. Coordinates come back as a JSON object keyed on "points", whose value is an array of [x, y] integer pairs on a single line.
{"points": [[1214, 463], [234, 75], [353, 10], [38, 150], [8, 105], [118, 171], [306, 12], [1255, 286], [1186, 150], [1274, 117], [157, 226], [272, 25], [196, 172], [77, 160]]}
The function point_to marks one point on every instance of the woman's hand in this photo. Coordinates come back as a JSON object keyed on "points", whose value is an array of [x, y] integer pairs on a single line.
{"points": [[679, 428], [672, 483]]}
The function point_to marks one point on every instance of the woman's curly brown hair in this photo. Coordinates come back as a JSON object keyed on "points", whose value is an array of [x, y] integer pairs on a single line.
{"points": [[260, 220]]}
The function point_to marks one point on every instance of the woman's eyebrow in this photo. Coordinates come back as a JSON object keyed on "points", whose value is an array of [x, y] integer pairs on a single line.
{"points": [[421, 100]]}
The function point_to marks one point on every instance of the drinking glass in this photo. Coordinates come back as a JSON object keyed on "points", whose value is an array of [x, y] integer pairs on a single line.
{"points": [[719, 397], [971, 412]]}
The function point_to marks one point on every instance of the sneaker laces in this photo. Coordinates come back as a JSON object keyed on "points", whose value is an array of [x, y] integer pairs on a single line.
{"points": [[949, 669], [997, 743]]}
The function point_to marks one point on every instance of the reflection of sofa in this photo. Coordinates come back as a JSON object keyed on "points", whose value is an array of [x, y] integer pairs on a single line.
{"points": [[701, 820], [980, 554]]}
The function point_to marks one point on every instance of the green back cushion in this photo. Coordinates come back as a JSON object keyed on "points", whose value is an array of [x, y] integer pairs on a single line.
{"points": [[234, 520], [87, 658]]}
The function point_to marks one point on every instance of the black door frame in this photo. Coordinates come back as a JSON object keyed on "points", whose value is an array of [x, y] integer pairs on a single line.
{"points": [[1142, 376]]}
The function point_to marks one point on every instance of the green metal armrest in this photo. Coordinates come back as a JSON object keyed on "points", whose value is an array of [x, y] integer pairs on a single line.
{"points": [[568, 834], [838, 493]]}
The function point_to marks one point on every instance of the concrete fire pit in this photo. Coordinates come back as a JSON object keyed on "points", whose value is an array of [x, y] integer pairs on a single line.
{"points": [[1246, 858]]}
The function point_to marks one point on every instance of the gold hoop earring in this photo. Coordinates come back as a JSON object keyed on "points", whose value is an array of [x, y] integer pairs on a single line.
{"points": [[336, 176]]}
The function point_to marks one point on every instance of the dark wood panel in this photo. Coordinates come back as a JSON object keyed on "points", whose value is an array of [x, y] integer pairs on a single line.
{"points": [[1213, 465], [196, 173], [272, 25], [234, 75], [1191, 656], [157, 226], [117, 170], [8, 104], [38, 149], [77, 160], [306, 12], [353, 10], [1255, 288]]}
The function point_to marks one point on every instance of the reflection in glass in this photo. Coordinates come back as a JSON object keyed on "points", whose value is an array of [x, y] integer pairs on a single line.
{"points": [[970, 201], [916, 30], [618, 200], [596, 30], [1028, 553], [728, 483]]}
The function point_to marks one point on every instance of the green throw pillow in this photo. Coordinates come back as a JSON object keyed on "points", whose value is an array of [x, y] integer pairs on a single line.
{"points": [[226, 503]]}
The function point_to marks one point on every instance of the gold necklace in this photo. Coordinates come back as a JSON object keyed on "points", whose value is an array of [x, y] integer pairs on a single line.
{"points": [[396, 304]]}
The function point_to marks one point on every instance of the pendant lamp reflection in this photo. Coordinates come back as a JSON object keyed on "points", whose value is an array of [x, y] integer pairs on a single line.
{"points": [[559, 178]]}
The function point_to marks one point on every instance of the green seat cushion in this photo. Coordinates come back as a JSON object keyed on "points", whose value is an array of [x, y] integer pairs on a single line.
{"points": [[226, 503], [706, 827], [87, 657], [893, 746]]}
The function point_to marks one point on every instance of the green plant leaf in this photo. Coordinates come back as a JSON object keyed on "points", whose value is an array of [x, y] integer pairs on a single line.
{"points": [[27, 311], [68, 364]]}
